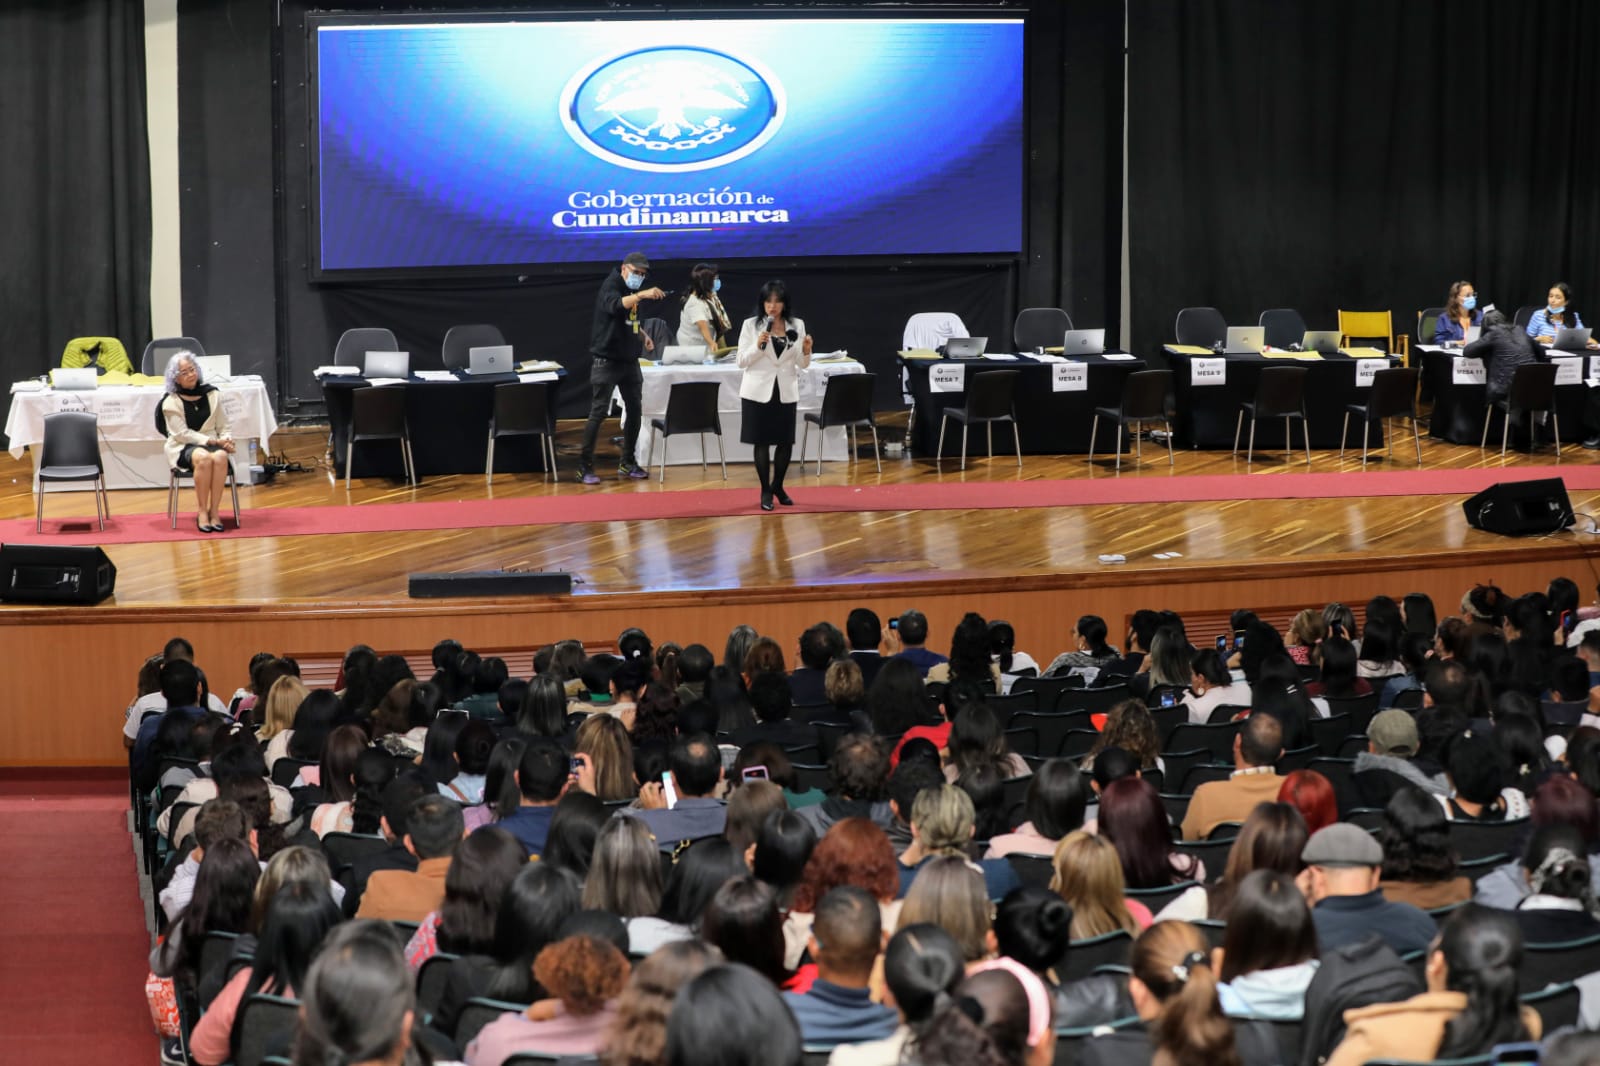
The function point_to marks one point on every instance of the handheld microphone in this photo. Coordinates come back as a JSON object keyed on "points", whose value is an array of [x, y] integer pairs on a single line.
{"points": [[766, 327]]}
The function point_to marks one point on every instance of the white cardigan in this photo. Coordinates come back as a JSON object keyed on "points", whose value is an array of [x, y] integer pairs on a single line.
{"points": [[761, 367]]}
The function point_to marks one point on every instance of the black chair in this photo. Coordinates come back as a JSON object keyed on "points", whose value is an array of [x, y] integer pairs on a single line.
{"points": [[265, 1023], [1093, 700], [1359, 708], [1533, 389], [1477, 869], [478, 1012], [522, 409], [286, 769], [1226, 712], [1280, 393], [354, 344], [1178, 764], [1202, 327], [215, 951], [1216, 739], [1544, 965], [460, 340], [1214, 853], [1557, 1005], [432, 976], [1214, 931], [817, 777], [1337, 771], [1048, 690], [691, 408], [1167, 719], [1204, 774], [343, 849], [1368, 818], [1351, 746], [829, 734], [1023, 741], [1076, 743], [1409, 699], [1474, 840], [1158, 897], [536, 1058], [1144, 399], [378, 413], [1040, 327], [1177, 807], [847, 402], [1327, 733], [1006, 706], [990, 399], [1427, 322], [1051, 729], [1014, 792], [71, 452], [1034, 871], [1282, 327], [1085, 956], [1393, 395], [161, 350]]}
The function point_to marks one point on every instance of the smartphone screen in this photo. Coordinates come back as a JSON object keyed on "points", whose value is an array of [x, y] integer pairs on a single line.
{"points": [[1238, 641], [1169, 698], [574, 765], [894, 623], [1222, 644], [1568, 621], [754, 773], [667, 789]]}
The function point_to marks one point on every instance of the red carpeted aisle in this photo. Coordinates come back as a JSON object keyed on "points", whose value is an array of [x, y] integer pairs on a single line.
{"points": [[74, 948]]}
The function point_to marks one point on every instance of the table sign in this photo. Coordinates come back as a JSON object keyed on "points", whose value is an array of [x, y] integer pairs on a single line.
{"points": [[1069, 377], [947, 378], [1569, 369], [1208, 372], [1464, 371], [1365, 368]]}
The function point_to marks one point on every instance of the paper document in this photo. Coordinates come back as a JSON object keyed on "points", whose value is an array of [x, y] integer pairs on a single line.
{"points": [[918, 353], [386, 381], [435, 375], [337, 372], [543, 375], [27, 386], [1121, 357], [539, 364], [1004, 357], [1189, 349]]}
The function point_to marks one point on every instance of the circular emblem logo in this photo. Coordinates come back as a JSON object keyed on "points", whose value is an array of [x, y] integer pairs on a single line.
{"points": [[675, 108]]}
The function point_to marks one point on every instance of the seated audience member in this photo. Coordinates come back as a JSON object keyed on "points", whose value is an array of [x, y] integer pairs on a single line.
{"points": [[583, 975], [543, 774], [1415, 649], [396, 800], [957, 697], [1166, 667], [820, 645], [1306, 631], [846, 693], [1003, 651], [359, 1002], [217, 820], [482, 867], [236, 758], [845, 940], [942, 823], [341, 754], [1272, 838], [1134, 821], [860, 771], [1001, 1014], [1343, 865], [1389, 763], [638, 1033], [897, 700], [604, 757], [625, 875], [1313, 796], [730, 1016], [1212, 686], [1130, 727], [544, 710], [1269, 949], [1380, 650], [297, 919], [1479, 792], [1034, 926], [1560, 905], [969, 656], [783, 846], [220, 902], [1419, 866], [1091, 653], [696, 766], [950, 893], [1141, 634], [780, 771], [1470, 1005], [770, 699], [694, 667], [978, 742], [864, 632], [370, 772], [906, 638], [1256, 748], [853, 852], [1338, 679], [433, 828], [700, 869], [742, 921], [277, 719], [921, 968], [1559, 801], [1174, 990], [918, 769], [1055, 806], [154, 699], [748, 808], [1088, 876]]}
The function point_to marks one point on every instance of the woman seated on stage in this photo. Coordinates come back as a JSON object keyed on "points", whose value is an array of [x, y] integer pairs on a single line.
{"points": [[773, 348], [703, 322], [1460, 314], [197, 436], [1555, 316]]}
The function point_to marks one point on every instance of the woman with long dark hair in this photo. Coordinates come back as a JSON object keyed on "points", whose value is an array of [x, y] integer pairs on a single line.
{"points": [[482, 867], [224, 891], [1269, 949], [977, 742], [1002, 1014], [1419, 866], [501, 795], [1133, 819], [1271, 838], [359, 1002], [1338, 660], [921, 968], [969, 656], [1560, 904], [544, 709], [773, 348], [897, 699]]}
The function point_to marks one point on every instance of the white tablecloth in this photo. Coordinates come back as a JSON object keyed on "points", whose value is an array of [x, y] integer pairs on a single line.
{"points": [[658, 382], [131, 446]]}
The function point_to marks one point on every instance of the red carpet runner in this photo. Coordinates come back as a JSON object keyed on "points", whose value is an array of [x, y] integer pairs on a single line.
{"points": [[648, 501]]}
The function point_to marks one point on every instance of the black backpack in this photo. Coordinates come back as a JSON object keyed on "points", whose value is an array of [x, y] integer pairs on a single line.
{"points": [[1355, 975]]}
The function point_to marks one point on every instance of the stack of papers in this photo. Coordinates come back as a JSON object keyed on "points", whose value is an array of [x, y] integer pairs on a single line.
{"points": [[543, 375], [435, 375], [337, 372], [1002, 356], [1118, 356], [918, 353], [386, 381], [31, 385], [1365, 353], [840, 356], [1189, 349], [536, 365]]}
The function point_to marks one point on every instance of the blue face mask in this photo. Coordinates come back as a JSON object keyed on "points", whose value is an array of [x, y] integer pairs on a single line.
{"points": [[1555, 310], [716, 284], [633, 281], [1469, 302]]}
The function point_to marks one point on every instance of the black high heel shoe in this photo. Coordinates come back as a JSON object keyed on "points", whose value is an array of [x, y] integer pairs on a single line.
{"points": [[766, 501], [783, 497]]}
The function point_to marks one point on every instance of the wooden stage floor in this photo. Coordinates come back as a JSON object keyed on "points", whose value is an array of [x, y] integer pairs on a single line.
{"points": [[693, 579]]}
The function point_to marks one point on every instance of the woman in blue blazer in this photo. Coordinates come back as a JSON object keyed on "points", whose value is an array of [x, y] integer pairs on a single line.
{"points": [[1460, 313], [773, 348]]}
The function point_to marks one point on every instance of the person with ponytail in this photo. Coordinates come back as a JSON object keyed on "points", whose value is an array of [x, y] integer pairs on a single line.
{"points": [[1000, 1015], [1561, 904], [1469, 1007], [1174, 991], [358, 1005], [921, 967]]}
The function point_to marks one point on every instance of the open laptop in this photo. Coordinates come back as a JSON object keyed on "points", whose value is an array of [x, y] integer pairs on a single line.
{"points": [[1245, 340], [214, 367], [386, 365], [1324, 341], [81, 377], [490, 359], [1084, 342], [1571, 340], [965, 347]]}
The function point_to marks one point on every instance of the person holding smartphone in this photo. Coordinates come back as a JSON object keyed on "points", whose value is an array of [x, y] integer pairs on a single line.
{"points": [[683, 805], [1213, 685]]}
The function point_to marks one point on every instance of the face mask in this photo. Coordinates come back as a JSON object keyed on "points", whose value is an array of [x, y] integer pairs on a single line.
{"points": [[716, 284], [1469, 302], [1556, 309], [633, 281]]}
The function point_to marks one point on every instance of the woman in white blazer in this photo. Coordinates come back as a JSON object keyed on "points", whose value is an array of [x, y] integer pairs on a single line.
{"points": [[197, 436], [773, 348]]}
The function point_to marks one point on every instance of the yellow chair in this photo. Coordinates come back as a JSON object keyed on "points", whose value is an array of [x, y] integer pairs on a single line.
{"points": [[1368, 325]]}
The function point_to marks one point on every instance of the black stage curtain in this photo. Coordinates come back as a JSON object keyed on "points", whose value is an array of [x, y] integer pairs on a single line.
{"points": [[74, 180], [1361, 154]]}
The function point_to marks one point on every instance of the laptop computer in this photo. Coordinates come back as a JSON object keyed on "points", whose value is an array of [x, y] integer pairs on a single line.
{"points": [[491, 359], [1084, 342], [1571, 340], [215, 366], [1324, 341], [82, 377], [965, 347], [1245, 340], [386, 365]]}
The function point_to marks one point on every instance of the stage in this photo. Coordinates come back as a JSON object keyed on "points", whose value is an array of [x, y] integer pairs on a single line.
{"points": [[318, 568]]}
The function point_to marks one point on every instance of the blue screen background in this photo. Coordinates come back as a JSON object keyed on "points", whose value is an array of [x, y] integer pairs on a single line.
{"points": [[443, 146]]}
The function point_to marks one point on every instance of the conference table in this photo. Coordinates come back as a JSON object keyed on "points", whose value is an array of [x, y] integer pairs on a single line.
{"points": [[1459, 385], [1054, 402], [130, 444], [1210, 389]]}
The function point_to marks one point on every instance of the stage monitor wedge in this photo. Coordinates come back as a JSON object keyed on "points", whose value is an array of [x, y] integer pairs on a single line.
{"points": [[47, 574], [491, 583], [1521, 508]]}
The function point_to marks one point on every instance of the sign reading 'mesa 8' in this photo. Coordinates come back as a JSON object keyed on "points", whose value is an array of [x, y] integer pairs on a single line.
{"points": [[477, 144]]}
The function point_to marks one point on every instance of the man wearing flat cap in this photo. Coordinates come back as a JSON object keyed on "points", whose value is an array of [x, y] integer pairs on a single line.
{"points": [[1388, 764], [1340, 881]]}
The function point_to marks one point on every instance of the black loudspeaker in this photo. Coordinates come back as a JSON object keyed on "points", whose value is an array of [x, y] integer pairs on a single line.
{"points": [[41, 573], [1521, 508], [492, 583]]}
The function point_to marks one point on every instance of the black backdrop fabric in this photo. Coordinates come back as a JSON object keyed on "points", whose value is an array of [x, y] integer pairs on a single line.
{"points": [[74, 180], [1362, 154]]}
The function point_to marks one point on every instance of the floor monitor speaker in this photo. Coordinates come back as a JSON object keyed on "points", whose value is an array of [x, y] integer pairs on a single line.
{"points": [[43, 573], [1521, 508], [492, 583]]}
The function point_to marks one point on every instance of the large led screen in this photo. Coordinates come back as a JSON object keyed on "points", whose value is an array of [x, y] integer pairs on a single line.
{"points": [[481, 144]]}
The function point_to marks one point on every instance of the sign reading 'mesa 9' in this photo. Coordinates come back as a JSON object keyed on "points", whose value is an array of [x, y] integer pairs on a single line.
{"points": [[472, 144]]}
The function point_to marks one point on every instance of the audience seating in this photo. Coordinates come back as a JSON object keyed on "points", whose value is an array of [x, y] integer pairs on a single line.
{"points": [[1337, 771], [1051, 729], [1329, 732], [1216, 739], [1557, 1005], [432, 976], [1006, 706], [1048, 691], [990, 398], [1160, 896], [817, 777], [1032, 870], [478, 1012], [1359, 708], [1022, 740], [1204, 774], [1085, 956], [1474, 840], [263, 1024], [1093, 700], [1213, 852]]}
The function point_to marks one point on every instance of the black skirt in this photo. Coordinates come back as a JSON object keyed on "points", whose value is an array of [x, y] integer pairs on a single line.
{"points": [[771, 422]]}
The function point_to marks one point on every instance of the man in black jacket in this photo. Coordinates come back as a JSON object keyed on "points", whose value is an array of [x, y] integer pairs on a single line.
{"points": [[614, 344]]}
